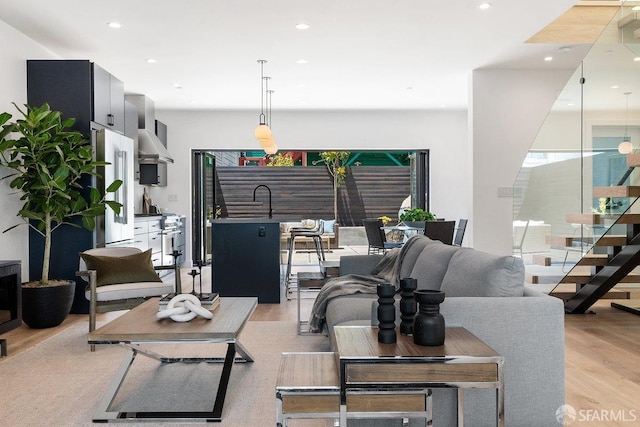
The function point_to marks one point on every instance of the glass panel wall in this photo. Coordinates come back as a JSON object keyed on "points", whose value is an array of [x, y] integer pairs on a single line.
{"points": [[575, 184]]}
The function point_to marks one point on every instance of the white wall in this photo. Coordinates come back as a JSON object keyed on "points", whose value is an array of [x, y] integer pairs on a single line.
{"points": [[470, 156], [15, 49], [444, 133], [507, 109]]}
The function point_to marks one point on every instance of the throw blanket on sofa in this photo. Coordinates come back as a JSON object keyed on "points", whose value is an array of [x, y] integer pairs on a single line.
{"points": [[386, 271]]}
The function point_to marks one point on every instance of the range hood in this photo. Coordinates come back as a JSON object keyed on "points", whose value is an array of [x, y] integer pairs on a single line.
{"points": [[150, 148]]}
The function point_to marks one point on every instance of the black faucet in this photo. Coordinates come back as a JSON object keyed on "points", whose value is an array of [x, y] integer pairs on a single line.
{"points": [[268, 189]]}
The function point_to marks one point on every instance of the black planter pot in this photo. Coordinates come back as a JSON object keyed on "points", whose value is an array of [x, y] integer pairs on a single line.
{"points": [[46, 307]]}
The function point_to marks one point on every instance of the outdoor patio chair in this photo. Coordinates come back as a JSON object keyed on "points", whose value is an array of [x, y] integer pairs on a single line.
{"points": [[460, 229], [440, 230], [376, 237]]}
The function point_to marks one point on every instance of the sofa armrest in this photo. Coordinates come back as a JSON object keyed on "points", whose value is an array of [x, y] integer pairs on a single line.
{"points": [[529, 332], [358, 264]]}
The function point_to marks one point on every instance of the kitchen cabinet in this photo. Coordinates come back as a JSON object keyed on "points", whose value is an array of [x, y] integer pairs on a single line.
{"points": [[246, 259], [148, 235], [77, 88], [108, 100], [80, 89]]}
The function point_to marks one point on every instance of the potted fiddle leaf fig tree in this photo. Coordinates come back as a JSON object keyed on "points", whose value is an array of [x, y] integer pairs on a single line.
{"points": [[47, 162]]}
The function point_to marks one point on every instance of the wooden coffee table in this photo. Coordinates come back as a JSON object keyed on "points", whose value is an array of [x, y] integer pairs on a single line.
{"points": [[139, 326], [464, 361]]}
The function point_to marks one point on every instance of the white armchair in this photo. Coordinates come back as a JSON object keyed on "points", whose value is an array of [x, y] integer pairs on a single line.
{"points": [[121, 278]]}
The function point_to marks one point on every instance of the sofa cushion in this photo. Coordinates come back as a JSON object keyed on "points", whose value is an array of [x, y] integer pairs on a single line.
{"points": [[474, 273], [418, 242], [329, 224], [432, 264]]}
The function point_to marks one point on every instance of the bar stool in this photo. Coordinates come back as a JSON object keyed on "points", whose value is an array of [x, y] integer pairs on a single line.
{"points": [[315, 234]]}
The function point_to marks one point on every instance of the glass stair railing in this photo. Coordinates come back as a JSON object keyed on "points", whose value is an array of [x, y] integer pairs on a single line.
{"points": [[576, 215]]}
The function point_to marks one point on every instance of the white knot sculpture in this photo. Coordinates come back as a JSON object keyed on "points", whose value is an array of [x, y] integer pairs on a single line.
{"points": [[184, 307]]}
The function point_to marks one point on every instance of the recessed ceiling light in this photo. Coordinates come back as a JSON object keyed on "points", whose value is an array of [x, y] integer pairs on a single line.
{"points": [[302, 61], [151, 61], [565, 49], [114, 24], [615, 87], [484, 5], [548, 58], [637, 59], [302, 26], [177, 85], [635, 8]]}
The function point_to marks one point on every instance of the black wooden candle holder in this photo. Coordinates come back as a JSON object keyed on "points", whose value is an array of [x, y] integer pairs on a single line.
{"points": [[408, 305], [386, 314]]}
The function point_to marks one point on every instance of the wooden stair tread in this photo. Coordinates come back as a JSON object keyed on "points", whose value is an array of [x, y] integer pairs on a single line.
{"points": [[585, 276], [609, 295], [633, 160], [599, 260], [617, 191], [567, 241], [582, 218], [612, 240], [595, 219]]}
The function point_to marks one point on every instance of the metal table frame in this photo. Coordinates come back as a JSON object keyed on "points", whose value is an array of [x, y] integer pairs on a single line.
{"points": [[138, 328], [104, 414], [371, 385]]}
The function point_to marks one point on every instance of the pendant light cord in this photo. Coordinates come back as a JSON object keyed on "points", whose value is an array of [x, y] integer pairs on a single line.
{"points": [[262, 116]]}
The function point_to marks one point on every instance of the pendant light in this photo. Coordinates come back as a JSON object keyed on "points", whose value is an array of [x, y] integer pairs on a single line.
{"points": [[272, 147], [262, 131], [626, 147]]}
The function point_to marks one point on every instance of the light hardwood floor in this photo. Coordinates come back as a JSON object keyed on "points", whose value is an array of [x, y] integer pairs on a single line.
{"points": [[602, 358]]}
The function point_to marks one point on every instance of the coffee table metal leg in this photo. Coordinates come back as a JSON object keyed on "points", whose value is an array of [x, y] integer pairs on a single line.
{"points": [[246, 356], [224, 381], [102, 413]]}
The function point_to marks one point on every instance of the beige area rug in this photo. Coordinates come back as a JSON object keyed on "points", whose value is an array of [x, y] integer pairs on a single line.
{"points": [[60, 382]]}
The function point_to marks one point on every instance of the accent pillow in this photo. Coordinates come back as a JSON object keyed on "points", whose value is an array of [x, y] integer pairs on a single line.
{"points": [[126, 269], [329, 225]]}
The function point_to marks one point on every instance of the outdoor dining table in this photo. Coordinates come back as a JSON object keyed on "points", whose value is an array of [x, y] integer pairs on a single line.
{"points": [[408, 231]]}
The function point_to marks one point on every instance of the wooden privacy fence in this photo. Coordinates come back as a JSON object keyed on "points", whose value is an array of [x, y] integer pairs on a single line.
{"points": [[307, 192]]}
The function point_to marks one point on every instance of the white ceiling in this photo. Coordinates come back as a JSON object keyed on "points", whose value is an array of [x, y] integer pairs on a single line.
{"points": [[404, 54]]}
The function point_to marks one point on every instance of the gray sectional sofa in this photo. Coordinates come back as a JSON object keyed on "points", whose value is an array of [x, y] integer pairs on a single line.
{"points": [[485, 294]]}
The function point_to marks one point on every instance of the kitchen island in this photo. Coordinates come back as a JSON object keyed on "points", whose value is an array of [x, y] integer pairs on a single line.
{"points": [[246, 258]]}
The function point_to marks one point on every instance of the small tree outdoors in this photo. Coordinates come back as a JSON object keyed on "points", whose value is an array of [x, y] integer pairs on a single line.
{"points": [[335, 162]]}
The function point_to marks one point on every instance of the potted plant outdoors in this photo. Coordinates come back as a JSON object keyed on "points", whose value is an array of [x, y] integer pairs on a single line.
{"points": [[47, 163], [416, 217]]}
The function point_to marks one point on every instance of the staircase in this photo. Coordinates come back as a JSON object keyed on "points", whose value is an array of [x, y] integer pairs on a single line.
{"points": [[587, 254], [607, 259]]}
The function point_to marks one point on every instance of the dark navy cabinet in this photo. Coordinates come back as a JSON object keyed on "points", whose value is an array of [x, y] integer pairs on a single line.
{"points": [[86, 92], [246, 259]]}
